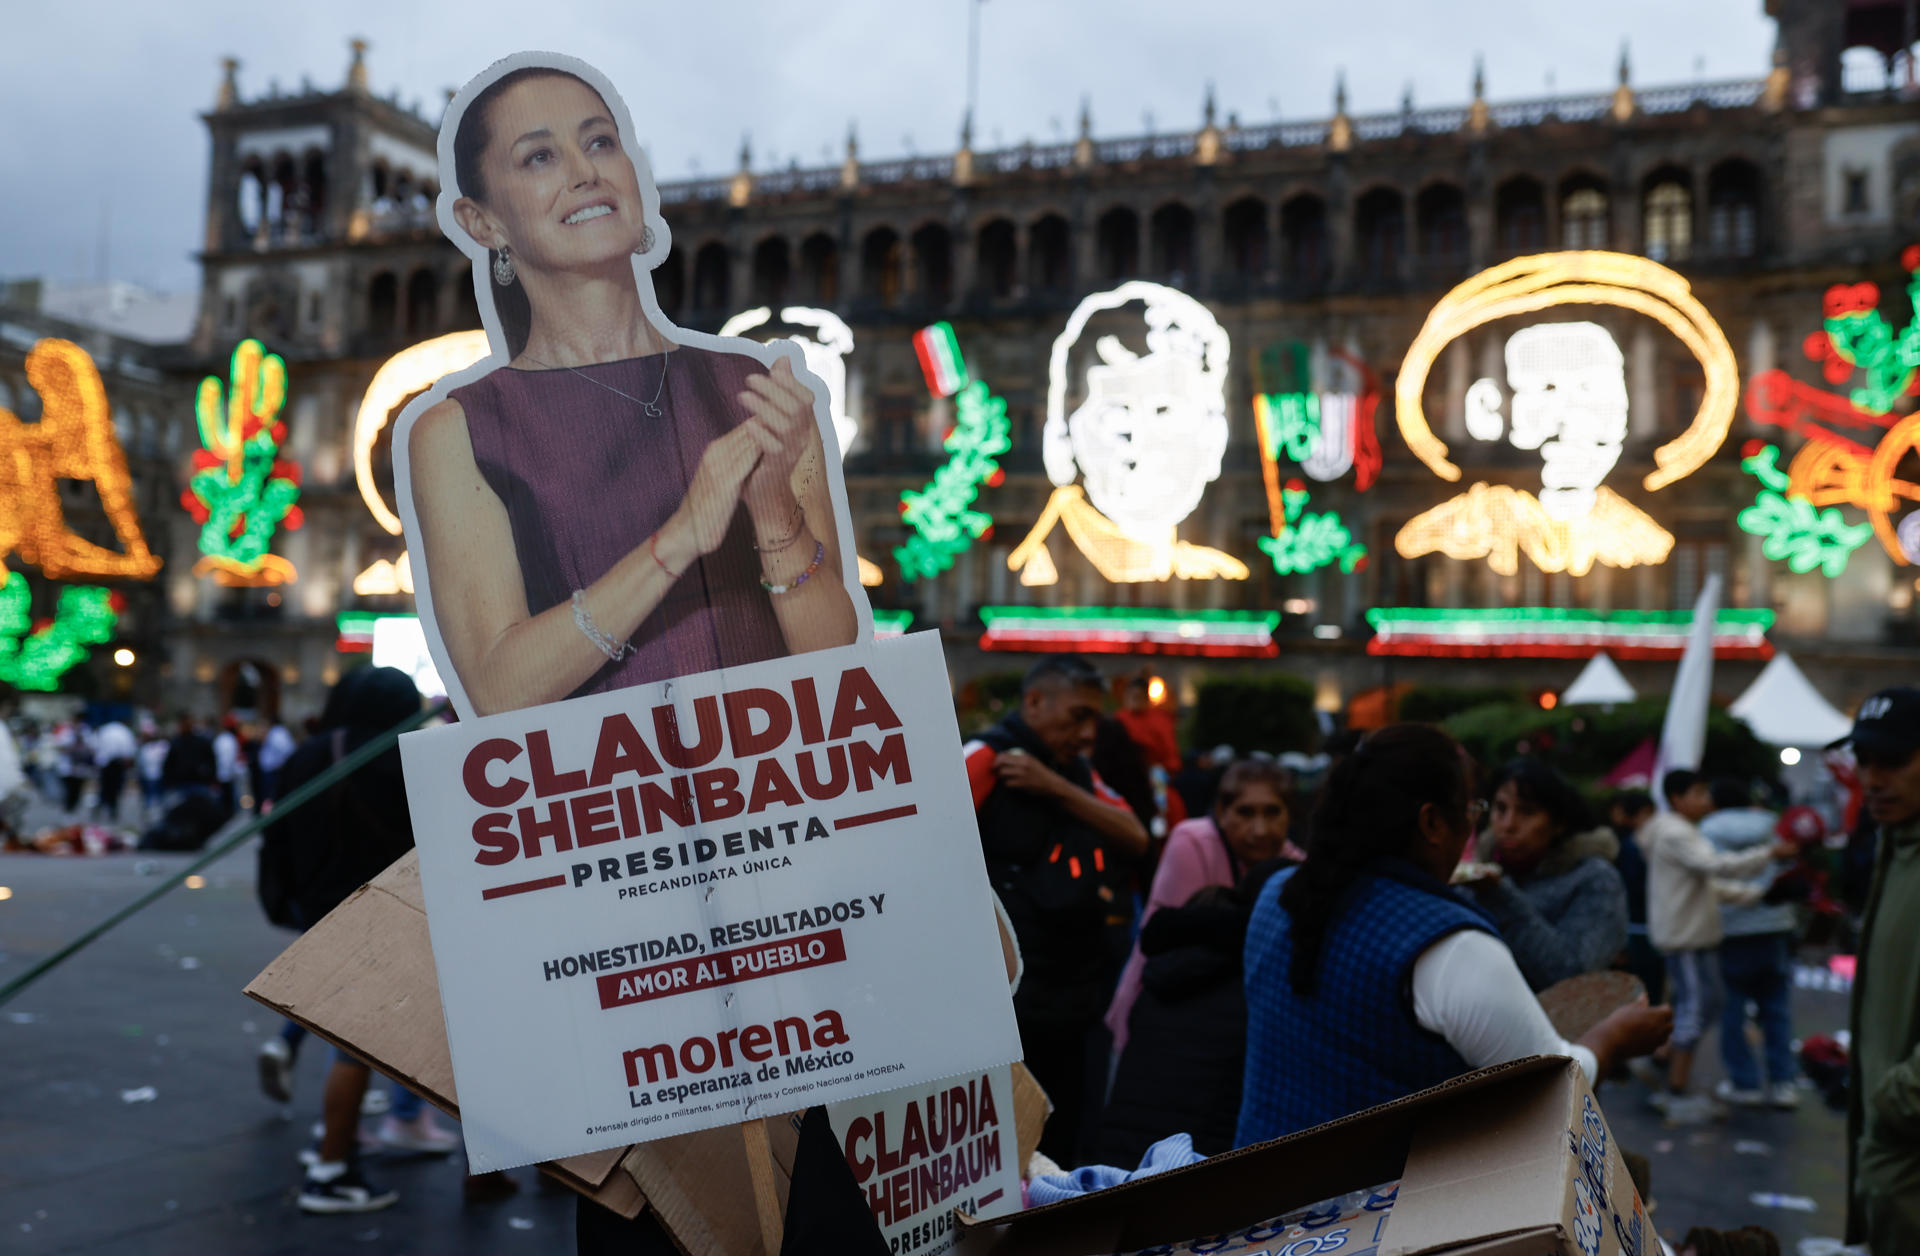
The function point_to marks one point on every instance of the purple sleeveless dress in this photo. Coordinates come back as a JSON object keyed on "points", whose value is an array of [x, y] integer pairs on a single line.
{"points": [[587, 477]]}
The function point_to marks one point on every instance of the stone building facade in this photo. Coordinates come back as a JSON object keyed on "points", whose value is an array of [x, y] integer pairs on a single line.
{"points": [[1335, 234]]}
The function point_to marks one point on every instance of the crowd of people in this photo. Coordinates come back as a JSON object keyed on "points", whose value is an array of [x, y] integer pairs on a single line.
{"points": [[1222, 947], [1293, 960], [175, 784]]}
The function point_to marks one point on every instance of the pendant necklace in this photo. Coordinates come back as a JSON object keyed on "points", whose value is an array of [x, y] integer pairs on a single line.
{"points": [[651, 409]]}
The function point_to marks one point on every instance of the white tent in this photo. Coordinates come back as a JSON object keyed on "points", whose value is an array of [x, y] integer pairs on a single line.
{"points": [[1598, 684], [1783, 708]]}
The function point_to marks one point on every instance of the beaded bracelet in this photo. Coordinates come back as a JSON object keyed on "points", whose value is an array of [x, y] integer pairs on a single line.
{"points": [[604, 642], [819, 556]]}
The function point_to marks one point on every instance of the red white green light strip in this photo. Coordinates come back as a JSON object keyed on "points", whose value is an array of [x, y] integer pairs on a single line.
{"points": [[940, 360], [888, 624], [1130, 630], [1551, 632], [356, 631]]}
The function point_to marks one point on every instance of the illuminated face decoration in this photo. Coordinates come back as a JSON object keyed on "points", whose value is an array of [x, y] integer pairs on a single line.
{"points": [[825, 350], [1147, 435], [1151, 430], [1570, 403]]}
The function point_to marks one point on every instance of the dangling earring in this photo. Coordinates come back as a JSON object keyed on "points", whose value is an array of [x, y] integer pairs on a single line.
{"points": [[503, 268], [646, 239]]}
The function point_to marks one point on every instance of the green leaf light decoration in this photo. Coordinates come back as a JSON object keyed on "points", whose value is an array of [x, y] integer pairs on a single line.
{"points": [[1792, 530], [1310, 540], [941, 514], [1856, 336], [35, 656]]}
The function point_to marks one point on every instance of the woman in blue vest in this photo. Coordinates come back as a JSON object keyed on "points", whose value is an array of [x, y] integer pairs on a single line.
{"points": [[1366, 979]]}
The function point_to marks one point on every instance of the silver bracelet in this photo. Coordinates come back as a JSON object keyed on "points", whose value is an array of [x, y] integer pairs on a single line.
{"points": [[615, 650]]}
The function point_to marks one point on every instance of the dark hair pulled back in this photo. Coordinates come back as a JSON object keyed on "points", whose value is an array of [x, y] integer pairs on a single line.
{"points": [[470, 142], [1369, 809]]}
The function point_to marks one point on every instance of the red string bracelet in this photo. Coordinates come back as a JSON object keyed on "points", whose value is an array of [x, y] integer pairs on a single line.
{"points": [[653, 541]]}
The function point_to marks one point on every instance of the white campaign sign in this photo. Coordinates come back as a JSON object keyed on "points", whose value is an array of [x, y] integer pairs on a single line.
{"points": [[918, 1154], [720, 897]]}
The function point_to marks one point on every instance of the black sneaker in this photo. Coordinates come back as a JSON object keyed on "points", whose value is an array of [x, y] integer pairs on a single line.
{"points": [[345, 1191]]}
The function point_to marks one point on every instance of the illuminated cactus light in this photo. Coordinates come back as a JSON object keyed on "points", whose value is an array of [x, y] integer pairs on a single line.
{"points": [[1792, 530], [1857, 337], [35, 656], [242, 490]]}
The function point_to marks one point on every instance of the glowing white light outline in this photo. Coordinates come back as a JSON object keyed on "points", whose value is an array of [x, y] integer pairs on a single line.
{"points": [[835, 338], [1056, 442], [414, 368]]}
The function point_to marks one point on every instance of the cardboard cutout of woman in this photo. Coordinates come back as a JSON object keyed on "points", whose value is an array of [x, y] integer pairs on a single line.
{"points": [[607, 500]]}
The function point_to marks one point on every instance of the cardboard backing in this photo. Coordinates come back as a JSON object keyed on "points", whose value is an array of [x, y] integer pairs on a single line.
{"points": [[363, 979], [1483, 1161]]}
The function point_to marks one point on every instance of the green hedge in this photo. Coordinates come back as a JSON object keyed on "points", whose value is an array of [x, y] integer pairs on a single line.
{"points": [[1273, 714], [1434, 704], [986, 700], [1586, 743]]}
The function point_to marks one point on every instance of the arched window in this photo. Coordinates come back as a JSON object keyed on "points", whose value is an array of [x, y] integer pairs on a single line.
{"points": [[712, 279], [1171, 231], [1118, 241], [1733, 209], [933, 265], [1244, 231], [252, 202], [1440, 215], [1049, 265], [423, 303], [820, 269], [383, 304], [1303, 242], [995, 258], [771, 271], [880, 267], [1584, 214], [466, 309], [313, 181], [670, 284], [1520, 216], [1380, 232], [1669, 217]]}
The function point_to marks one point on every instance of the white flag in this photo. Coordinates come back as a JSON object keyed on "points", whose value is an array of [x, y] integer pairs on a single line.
{"points": [[1683, 736]]}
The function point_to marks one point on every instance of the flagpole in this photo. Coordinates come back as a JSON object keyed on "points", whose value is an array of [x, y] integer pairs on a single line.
{"points": [[973, 57]]}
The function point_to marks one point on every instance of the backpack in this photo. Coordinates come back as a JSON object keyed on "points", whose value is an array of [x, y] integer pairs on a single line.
{"points": [[285, 860], [1051, 876], [321, 853]]}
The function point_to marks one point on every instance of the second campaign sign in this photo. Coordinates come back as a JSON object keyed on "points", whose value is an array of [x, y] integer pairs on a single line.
{"points": [[721, 897]]}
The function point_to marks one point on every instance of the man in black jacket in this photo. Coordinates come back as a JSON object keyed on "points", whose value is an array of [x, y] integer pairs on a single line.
{"points": [[1051, 829]]}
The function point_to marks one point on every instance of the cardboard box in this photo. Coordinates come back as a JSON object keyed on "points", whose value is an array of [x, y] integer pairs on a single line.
{"points": [[363, 979], [1509, 1161]]}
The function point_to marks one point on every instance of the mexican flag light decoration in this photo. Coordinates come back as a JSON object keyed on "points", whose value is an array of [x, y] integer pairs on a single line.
{"points": [[242, 490]]}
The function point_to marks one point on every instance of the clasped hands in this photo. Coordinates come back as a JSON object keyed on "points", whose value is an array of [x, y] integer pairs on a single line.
{"points": [[752, 463]]}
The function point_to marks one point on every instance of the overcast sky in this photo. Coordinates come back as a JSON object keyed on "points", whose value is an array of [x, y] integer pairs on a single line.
{"points": [[102, 96]]}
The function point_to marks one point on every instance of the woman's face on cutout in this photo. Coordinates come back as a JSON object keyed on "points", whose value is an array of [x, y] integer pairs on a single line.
{"points": [[561, 190], [1254, 823]]}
